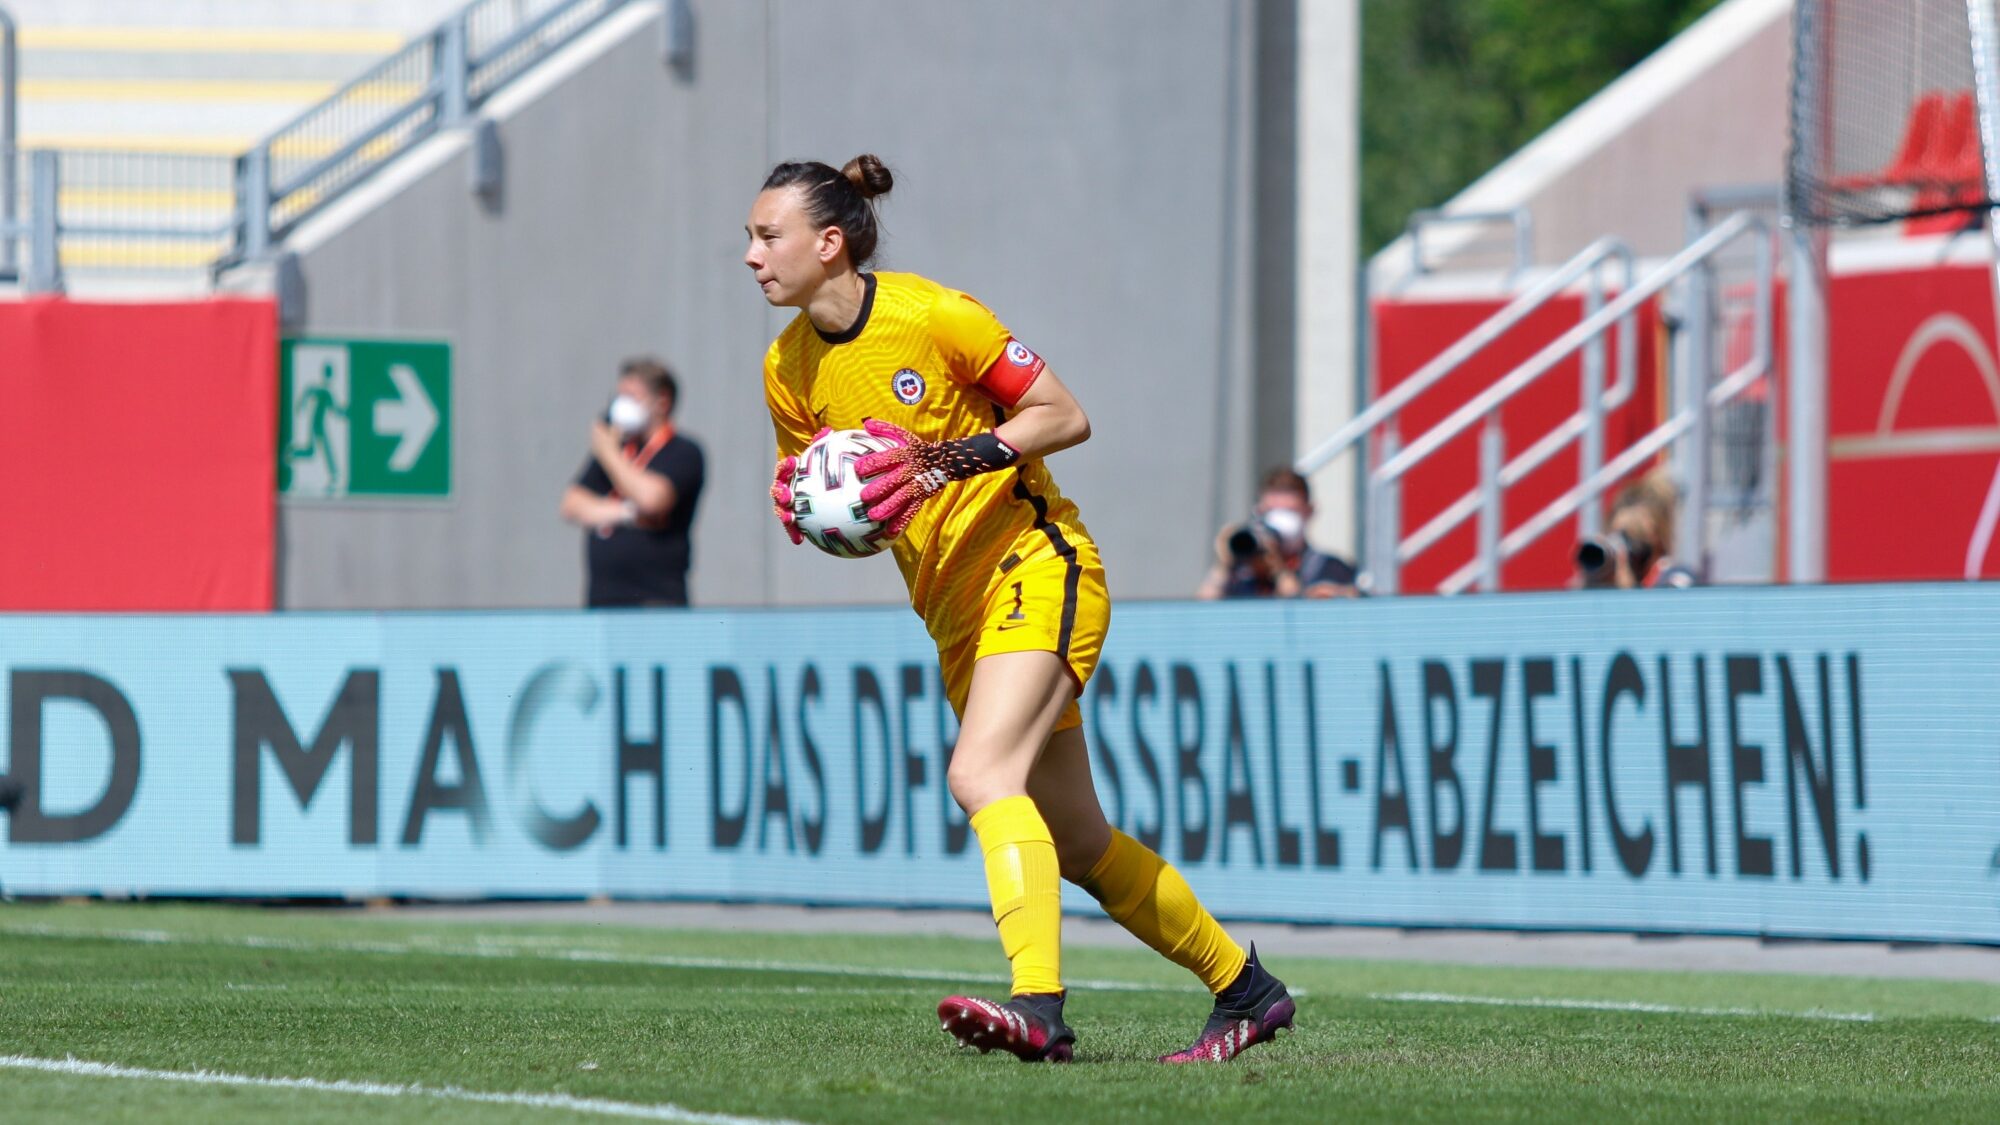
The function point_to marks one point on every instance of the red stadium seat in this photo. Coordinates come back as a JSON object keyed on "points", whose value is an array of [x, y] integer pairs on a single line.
{"points": [[1953, 158], [1939, 158]]}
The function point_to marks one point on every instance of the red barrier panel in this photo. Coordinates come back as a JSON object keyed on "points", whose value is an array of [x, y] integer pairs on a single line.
{"points": [[137, 455], [1913, 416], [1408, 334]]}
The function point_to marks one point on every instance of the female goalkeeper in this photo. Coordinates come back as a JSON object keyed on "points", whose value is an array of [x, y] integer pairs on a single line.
{"points": [[1006, 579]]}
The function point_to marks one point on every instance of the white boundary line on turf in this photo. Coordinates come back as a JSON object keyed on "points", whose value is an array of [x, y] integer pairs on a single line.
{"points": [[1614, 1006], [663, 1112], [590, 956]]}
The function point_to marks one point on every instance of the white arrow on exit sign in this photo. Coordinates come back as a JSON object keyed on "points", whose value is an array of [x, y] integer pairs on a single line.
{"points": [[411, 414]]}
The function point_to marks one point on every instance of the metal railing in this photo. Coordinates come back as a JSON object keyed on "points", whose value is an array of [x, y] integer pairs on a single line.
{"points": [[310, 160], [434, 82], [1388, 550], [154, 211], [44, 273], [140, 212], [1586, 267], [503, 38], [10, 157], [1520, 218], [1733, 475]]}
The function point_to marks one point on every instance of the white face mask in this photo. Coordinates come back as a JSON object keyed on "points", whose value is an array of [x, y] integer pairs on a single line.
{"points": [[629, 415], [1287, 525]]}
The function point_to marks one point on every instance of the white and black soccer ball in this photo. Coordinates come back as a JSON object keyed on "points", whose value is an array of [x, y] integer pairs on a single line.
{"points": [[826, 495]]}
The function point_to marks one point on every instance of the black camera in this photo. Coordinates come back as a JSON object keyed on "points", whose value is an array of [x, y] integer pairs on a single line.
{"points": [[1249, 540], [1597, 558]]}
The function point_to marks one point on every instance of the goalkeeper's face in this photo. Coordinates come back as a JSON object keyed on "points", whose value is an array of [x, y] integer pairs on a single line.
{"points": [[789, 258]]}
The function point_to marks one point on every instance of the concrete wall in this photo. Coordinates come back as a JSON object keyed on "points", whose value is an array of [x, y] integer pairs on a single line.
{"points": [[1329, 246], [1091, 172]]}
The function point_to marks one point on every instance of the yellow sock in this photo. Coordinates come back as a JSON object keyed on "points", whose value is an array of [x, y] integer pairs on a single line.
{"points": [[1026, 887], [1144, 894]]}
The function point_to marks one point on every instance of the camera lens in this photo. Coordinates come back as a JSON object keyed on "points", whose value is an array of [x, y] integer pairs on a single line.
{"points": [[1242, 544], [1591, 556], [1597, 560]]}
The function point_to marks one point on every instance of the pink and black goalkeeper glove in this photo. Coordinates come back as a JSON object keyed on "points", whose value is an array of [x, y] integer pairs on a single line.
{"points": [[916, 470], [781, 499], [781, 492]]}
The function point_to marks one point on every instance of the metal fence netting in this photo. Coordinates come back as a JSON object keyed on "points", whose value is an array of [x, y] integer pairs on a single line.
{"points": [[1883, 118]]}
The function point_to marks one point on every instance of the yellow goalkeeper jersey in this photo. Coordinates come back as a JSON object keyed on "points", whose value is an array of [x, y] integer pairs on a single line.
{"points": [[935, 362]]}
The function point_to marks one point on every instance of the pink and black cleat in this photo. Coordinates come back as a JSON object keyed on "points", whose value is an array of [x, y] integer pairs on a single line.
{"points": [[1029, 1027], [1250, 1011]]}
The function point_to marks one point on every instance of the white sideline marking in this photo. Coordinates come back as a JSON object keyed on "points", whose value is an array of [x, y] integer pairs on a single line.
{"points": [[592, 956], [665, 1112], [1614, 1006]]}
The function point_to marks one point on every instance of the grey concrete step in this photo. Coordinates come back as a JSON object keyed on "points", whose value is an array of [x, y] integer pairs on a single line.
{"points": [[45, 67], [197, 75], [407, 16], [153, 125]]}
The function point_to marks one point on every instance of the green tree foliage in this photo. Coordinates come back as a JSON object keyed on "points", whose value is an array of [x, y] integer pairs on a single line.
{"points": [[1449, 88]]}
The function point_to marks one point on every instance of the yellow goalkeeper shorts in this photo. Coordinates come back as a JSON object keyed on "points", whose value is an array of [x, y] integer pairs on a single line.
{"points": [[1044, 602]]}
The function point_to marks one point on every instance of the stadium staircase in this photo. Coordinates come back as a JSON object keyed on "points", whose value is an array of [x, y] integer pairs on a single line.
{"points": [[1606, 340], [1480, 452], [178, 136], [1531, 393]]}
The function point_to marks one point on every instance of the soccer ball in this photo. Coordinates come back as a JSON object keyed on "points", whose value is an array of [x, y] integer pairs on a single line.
{"points": [[826, 495]]}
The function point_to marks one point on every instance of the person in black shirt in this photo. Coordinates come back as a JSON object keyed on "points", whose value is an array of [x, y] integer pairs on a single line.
{"points": [[635, 498], [1267, 556]]}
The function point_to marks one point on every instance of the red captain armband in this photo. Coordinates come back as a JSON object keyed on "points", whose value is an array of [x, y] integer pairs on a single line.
{"points": [[1011, 375]]}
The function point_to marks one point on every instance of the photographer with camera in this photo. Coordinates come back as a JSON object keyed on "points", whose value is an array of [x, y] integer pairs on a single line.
{"points": [[1267, 556], [635, 497], [1632, 552]]}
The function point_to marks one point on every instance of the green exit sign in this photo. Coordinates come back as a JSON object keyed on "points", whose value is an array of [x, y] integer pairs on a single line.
{"points": [[364, 418]]}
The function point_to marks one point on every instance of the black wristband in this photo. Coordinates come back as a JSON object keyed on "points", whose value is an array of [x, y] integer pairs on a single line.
{"points": [[981, 453]]}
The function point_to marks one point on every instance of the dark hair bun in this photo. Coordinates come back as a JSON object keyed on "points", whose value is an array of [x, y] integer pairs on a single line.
{"points": [[829, 204], [869, 175]]}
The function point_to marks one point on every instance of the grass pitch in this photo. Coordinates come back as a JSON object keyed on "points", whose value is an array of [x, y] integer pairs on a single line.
{"points": [[381, 1019]]}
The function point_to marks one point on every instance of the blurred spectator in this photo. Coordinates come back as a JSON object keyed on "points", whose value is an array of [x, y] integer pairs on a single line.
{"points": [[1632, 552], [1267, 556], [635, 498]]}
